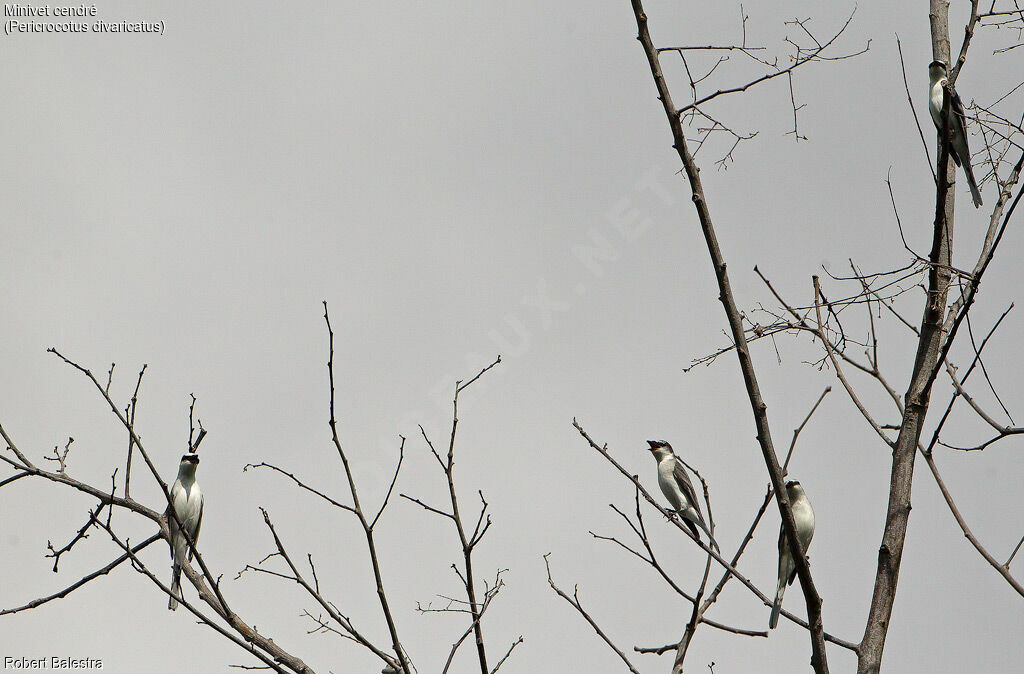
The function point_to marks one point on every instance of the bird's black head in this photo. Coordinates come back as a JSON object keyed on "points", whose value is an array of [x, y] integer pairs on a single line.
{"points": [[937, 66], [190, 458], [658, 444], [792, 483]]}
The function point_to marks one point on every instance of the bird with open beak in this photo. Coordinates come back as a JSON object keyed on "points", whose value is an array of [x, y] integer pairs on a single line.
{"points": [[676, 486]]}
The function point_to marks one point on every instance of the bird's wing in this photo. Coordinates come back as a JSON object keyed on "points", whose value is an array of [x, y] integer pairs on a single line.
{"points": [[958, 125], [957, 106], [683, 480], [784, 546], [962, 153], [783, 551], [176, 492], [199, 523]]}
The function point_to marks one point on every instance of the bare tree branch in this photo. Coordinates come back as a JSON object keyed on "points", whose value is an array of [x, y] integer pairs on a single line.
{"points": [[403, 660], [82, 581], [469, 541], [818, 657], [801, 59], [917, 397], [574, 601]]}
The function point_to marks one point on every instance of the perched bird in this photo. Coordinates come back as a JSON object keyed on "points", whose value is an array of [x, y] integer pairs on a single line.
{"points": [[675, 485], [803, 515], [188, 505], [938, 77]]}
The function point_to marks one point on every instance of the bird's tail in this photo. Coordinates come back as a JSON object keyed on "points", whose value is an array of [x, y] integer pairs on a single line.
{"points": [[777, 606], [969, 173], [172, 604], [692, 519], [714, 543]]}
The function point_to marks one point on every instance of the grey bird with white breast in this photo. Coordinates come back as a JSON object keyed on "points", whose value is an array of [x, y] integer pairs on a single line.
{"points": [[803, 515], [188, 505], [937, 78], [676, 486]]}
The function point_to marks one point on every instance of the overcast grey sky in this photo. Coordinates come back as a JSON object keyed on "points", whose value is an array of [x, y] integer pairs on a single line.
{"points": [[187, 200]]}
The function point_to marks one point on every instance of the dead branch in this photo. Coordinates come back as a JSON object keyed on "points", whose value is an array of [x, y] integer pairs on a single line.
{"points": [[758, 407], [467, 540], [574, 601], [371, 546]]}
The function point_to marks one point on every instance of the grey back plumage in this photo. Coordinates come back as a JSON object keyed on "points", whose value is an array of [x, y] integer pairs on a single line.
{"points": [[784, 552], [959, 149], [683, 480], [956, 106]]}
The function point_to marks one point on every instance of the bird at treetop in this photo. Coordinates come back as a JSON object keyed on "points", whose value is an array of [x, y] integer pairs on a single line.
{"points": [[187, 500], [958, 149]]}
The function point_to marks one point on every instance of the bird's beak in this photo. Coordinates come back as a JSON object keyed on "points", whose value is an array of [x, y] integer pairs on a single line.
{"points": [[653, 445]]}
